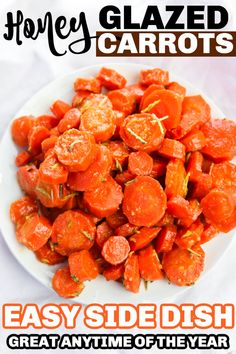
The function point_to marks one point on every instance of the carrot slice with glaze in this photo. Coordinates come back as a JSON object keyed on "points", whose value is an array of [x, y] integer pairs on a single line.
{"points": [[143, 237], [140, 163], [64, 285], [149, 264], [111, 79], [82, 266], [20, 130], [144, 201], [105, 199], [115, 250], [131, 273]]}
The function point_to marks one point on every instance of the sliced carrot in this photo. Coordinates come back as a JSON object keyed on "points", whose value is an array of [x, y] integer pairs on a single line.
{"points": [[159, 168], [137, 90], [166, 220], [187, 238], [82, 266], [59, 108], [111, 79], [195, 112], [70, 120], [154, 76], [123, 100], [76, 149], [209, 233], [224, 176], [202, 185], [64, 285], [95, 101], [175, 180], [87, 84], [23, 158], [36, 135], [48, 255], [143, 132], [52, 195], [52, 171], [164, 104], [131, 273], [124, 177], [117, 219], [120, 154], [149, 264], [219, 209], [73, 231], [27, 177], [54, 132], [140, 163], [103, 232], [144, 201], [99, 122], [172, 149], [95, 174], [165, 239], [115, 250], [143, 237], [183, 267], [194, 165], [220, 139], [105, 199], [34, 232], [126, 230], [22, 208], [48, 143], [47, 121], [114, 272], [176, 87], [194, 140], [20, 129], [79, 97]]}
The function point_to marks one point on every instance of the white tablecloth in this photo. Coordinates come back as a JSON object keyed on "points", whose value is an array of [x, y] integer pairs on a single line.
{"points": [[27, 68]]}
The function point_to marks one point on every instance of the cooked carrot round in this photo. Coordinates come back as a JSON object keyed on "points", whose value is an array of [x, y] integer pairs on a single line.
{"points": [[104, 231], [76, 149], [164, 104], [143, 237], [52, 171], [144, 201], [64, 285], [82, 266], [123, 100], [111, 79], [88, 84], [35, 137], [48, 255], [142, 132], [154, 76], [117, 219], [105, 199], [95, 101], [70, 120], [34, 232], [59, 108], [132, 274], [73, 231], [22, 158], [115, 250], [22, 208], [20, 129], [114, 272], [48, 143], [219, 209], [172, 149], [140, 163], [224, 175], [183, 267], [52, 195], [27, 177], [220, 137], [47, 121], [100, 122], [149, 264], [95, 174]]}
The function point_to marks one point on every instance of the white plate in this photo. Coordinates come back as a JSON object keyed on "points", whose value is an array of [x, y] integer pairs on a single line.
{"points": [[98, 290]]}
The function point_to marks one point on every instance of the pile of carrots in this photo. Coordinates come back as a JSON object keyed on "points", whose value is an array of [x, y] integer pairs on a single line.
{"points": [[126, 180]]}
